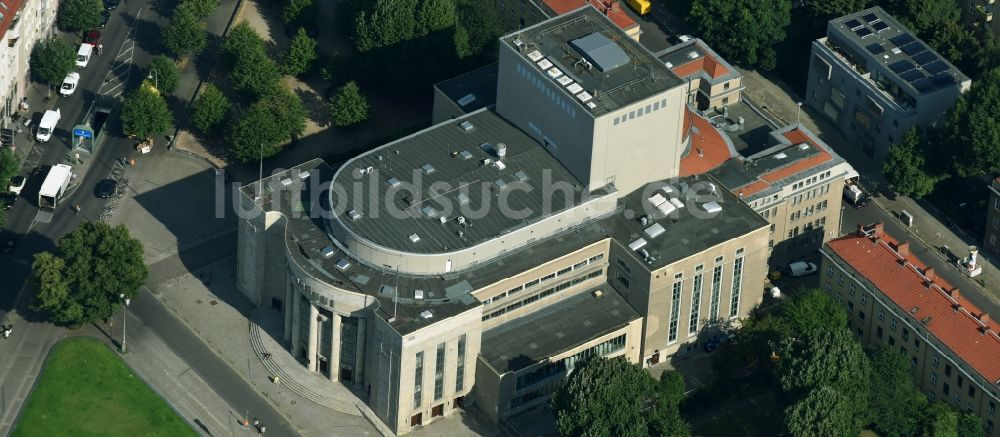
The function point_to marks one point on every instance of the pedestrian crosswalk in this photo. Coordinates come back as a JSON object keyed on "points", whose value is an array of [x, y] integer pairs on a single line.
{"points": [[121, 66]]}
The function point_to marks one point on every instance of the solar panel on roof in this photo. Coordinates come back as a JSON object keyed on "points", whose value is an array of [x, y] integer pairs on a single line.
{"points": [[875, 48], [924, 58], [863, 32], [853, 24], [924, 86], [912, 75], [604, 53], [901, 66], [914, 48], [943, 80], [936, 67], [880, 26], [902, 39], [870, 18]]}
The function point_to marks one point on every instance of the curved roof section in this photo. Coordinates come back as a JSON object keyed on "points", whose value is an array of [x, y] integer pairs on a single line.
{"points": [[447, 188], [709, 148]]}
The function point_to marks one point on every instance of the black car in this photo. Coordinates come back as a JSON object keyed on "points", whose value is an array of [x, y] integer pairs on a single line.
{"points": [[111, 4], [7, 242], [105, 17], [105, 188]]}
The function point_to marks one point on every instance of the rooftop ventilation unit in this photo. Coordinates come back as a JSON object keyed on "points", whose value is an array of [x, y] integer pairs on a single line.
{"points": [[544, 64], [393, 182], [668, 64], [521, 176], [465, 154], [598, 293], [486, 161], [303, 175], [584, 97], [804, 146], [605, 54], [711, 188], [327, 251], [554, 73], [414, 238], [427, 168], [286, 182], [637, 244], [466, 126], [712, 207], [780, 155], [501, 150], [500, 183], [429, 211], [462, 198], [692, 55], [354, 214], [426, 314], [574, 88], [535, 56], [676, 202], [461, 221], [564, 81], [500, 165], [667, 189], [466, 99], [343, 264], [655, 231], [657, 199], [418, 294], [896, 50], [443, 219]]}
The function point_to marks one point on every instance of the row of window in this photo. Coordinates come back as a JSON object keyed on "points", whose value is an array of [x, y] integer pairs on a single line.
{"points": [[439, 360], [812, 209], [547, 292], [569, 363], [632, 115], [534, 282], [543, 86], [795, 186], [815, 192]]}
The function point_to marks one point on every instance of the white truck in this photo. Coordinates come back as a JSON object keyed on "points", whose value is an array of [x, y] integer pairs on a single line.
{"points": [[855, 195], [48, 125], [54, 186]]}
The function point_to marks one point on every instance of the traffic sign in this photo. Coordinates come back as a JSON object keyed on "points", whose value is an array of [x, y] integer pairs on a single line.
{"points": [[81, 132]]}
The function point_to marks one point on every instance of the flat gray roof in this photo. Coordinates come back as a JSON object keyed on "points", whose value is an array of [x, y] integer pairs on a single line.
{"points": [[754, 136], [881, 39], [448, 162], [622, 72], [472, 90], [559, 327]]}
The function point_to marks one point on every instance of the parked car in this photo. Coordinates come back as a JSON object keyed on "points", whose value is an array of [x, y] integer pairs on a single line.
{"points": [[801, 268], [105, 17], [105, 188], [17, 184], [92, 37], [111, 4], [69, 84]]}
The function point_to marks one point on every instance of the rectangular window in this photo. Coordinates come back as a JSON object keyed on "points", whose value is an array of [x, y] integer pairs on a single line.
{"points": [[946, 389], [624, 265], [439, 372], [947, 370], [933, 377], [623, 280], [936, 360], [596, 258], [564, 271], [548, 276], [734, 303], [580, 265], [695, 304], [675, 308], [892, 325], [881, 314], [878, 332], [418, 379], [531, 283], [460, 370], [716, 291], [906, 334]]}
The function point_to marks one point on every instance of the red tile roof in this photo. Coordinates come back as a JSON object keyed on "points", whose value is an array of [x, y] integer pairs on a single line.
{"points": [[708, 148], [874, 257], [795, 136], [613, 11], [706, 63]]}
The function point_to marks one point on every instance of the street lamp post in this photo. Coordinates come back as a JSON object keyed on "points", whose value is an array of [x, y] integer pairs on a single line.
{"points": [[124, 317], [155, 77], [798, 109]]}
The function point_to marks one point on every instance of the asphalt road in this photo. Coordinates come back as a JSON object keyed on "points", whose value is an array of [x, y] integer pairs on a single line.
{"points": [[34, 236]]}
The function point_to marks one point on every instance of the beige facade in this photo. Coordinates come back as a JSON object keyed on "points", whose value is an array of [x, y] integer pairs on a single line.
{"points": [[33, 22]]}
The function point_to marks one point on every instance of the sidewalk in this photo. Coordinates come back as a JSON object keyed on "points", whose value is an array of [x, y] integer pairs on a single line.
{"points": [[779, 100]]}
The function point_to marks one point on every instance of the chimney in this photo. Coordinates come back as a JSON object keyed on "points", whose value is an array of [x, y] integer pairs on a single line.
{"points": [[955, 294], [861, 229], [929, 273], [903, 249], [985, 318], [879, 229]]}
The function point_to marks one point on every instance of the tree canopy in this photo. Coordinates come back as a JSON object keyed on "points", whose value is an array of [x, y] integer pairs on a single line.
{"points": [[824, 411], [971, 128], [81, 282], [264, 128], [905, 166], [612, 397], [253, 72], [145, 112], [79, 15], [210, 108], [348, 106], [184, 34], [743, 31], [241, 39], [301, 54], [814, 310], [201, 8], [166, 75], [51, 60], [295, 10]]}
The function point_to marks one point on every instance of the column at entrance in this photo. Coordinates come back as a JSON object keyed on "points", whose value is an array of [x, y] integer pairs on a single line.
{"points": [[335, 347], [296, 323], [313, 337], [359, 355]]}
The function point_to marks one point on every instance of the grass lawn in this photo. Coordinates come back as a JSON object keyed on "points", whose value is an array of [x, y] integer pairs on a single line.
{"points": [[85, 390]]}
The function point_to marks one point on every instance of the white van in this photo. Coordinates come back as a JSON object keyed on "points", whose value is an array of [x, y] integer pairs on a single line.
{"points": [[83, 55], [47, 125]]}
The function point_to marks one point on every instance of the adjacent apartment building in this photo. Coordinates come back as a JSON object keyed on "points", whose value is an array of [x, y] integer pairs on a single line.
{"points": [[895, 300], [478, 261], [874, 80], [991, 241], [712, 82], [22, 24]]}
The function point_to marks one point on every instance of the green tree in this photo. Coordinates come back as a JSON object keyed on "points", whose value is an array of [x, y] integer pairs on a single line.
{"points": [[940, 420], [348, 106], [301, 54], [972, 128], [825, 10], [605, 397], [255, 74], [81, 282], [671, 388], [145, 113], [905, 166], [210, 108], [79, 15], [743, 31], [9, 165], [756, 340], [480, 25], [970, 425], [923, 17], [242, 39], [825, 411], [384, 23], [295, 9], [184, 34], [814, 311], [264, 128], [433, 16], [893, 398], [165, 73], [51, 60], [201, 9]]}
